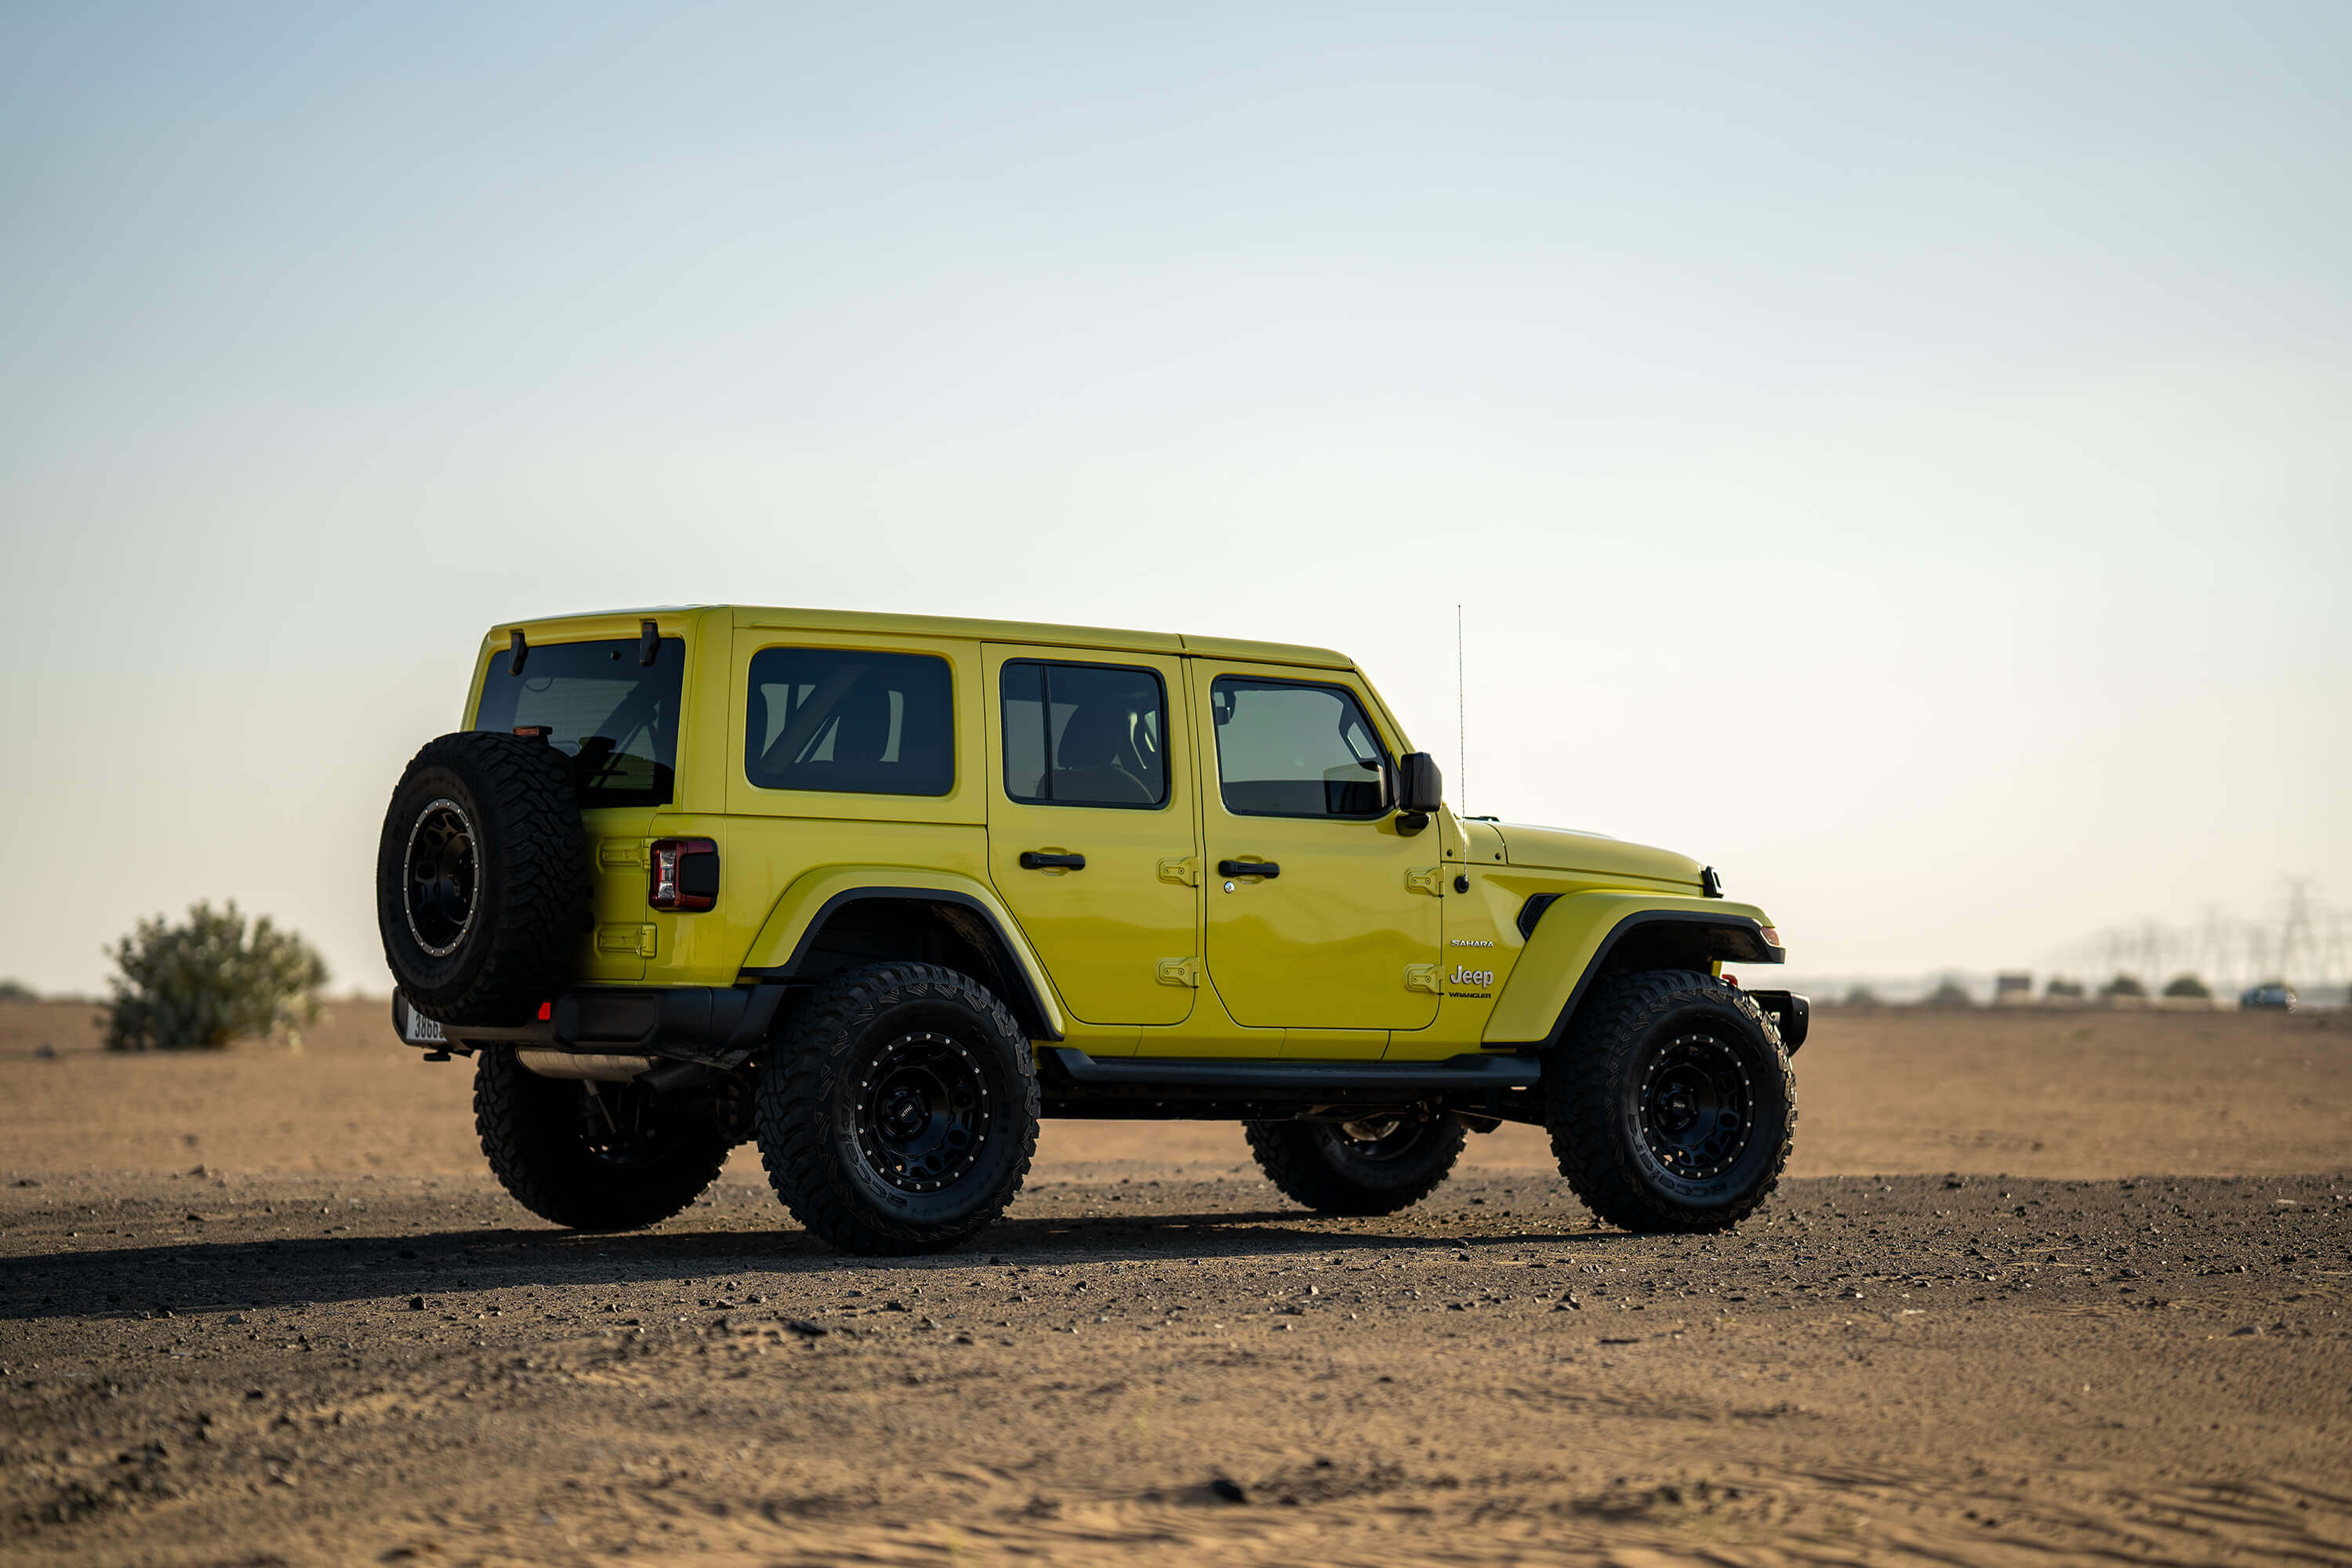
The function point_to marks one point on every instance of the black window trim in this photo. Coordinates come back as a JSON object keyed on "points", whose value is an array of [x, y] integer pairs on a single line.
{"points": [[1371, 725], [1167, 741], [955, 748]]}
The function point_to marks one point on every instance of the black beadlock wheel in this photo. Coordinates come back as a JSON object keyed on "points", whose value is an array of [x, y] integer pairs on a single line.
{"points": [[593, 1156], [921, 1112], [1671, 1104], [1379, 1166], [898, 1113], [481, 878], [1696, 1108]]}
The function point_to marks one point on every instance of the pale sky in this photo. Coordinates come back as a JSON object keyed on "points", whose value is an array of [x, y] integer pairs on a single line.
{"points": [[1897, 455]]}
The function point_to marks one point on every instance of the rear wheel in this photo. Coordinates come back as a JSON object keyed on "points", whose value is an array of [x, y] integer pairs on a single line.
{"points": [[899, 1112], [593, 1156], [1671, 1103], [1374, 1166]]}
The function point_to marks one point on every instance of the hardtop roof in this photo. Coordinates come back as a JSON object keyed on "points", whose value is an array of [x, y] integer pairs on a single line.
{"points": [[1036, 632]]}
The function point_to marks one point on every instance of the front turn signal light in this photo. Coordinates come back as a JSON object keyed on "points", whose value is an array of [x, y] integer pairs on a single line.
{"points": [[1771, 936], [685, 874]]}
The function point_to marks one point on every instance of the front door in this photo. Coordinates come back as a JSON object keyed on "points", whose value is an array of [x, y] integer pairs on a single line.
{"points": [[1092, 818], [1343, 934]]}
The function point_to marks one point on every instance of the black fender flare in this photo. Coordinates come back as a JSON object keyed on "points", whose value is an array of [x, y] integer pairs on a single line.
{"points": [[1014, 976]]}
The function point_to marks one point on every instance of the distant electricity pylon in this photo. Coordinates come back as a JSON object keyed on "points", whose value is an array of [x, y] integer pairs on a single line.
{"points": [[2305, 945], [2296, 945]]}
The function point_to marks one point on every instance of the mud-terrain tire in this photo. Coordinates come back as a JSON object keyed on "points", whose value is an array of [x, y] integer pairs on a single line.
{"points": [[592, 1156], [481, 878], [898, 1113], [1318, 1165], [1671, 1103]]}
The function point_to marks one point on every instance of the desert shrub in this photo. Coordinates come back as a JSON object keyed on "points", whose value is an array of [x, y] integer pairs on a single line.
{"points": [[1862, 996], [17, 990], [2059, 989], [201, 984], [2123, 985], [1949, 993], [2188, 985]]}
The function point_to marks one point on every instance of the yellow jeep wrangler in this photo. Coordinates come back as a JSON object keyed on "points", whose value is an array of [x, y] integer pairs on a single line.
{"points": [[879, 892]]}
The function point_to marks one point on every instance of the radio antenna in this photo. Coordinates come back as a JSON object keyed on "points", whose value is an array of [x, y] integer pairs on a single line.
{"points": [[1461, 721]]}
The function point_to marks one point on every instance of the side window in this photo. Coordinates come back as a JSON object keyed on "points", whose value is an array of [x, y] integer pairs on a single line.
{"points": [[1288, 749], [850, 721], [1084, 735]]}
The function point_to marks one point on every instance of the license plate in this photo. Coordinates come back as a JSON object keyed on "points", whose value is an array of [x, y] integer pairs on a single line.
{"points": [[417, 1029]]}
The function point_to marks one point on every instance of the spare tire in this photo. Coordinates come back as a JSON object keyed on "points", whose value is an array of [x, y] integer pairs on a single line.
{"points": [[481, 878]]}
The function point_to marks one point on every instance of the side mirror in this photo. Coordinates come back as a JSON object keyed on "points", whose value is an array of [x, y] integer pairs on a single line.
{"points": [[1421, 788]]}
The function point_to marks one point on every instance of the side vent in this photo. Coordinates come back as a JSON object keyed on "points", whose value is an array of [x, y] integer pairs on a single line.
{"points": [[1532, 911]]}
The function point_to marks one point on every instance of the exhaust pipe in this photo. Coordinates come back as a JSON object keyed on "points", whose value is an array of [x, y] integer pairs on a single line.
{"points": [[579, 1065]]}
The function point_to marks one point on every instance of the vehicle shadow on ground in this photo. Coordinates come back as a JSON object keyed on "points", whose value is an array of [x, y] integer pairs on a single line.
{"points": [[199, 1278]]}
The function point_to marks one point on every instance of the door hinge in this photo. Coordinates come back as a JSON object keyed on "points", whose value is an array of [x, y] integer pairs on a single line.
{"points": [[638, 940], [1429, 880], [1182, 869], [622, 854], [1423, 977], [1184, 972]]}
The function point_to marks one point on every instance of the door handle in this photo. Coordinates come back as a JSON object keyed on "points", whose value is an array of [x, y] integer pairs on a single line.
{"points": [[1248, 868], [1036, 860]]}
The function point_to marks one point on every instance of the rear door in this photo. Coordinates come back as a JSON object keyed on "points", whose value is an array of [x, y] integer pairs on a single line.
{"points": [[1344, 934], [617, 721], [1092, 827]]}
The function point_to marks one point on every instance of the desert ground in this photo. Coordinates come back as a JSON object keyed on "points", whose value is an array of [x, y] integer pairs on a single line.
{"points": [[2039, 1286]]}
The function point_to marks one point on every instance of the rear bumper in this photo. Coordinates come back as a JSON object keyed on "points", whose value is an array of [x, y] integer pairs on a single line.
{"points": [[715, 1024]]}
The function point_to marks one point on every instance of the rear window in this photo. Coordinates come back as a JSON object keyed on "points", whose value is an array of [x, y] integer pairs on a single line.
{"points": [[615, 718], [849, 722]]}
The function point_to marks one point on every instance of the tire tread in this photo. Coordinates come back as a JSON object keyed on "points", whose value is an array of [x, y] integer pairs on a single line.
{"points": [[1287, 1153], [1578, 1079], [789, 1117], [511, 1122], [534, 899]]}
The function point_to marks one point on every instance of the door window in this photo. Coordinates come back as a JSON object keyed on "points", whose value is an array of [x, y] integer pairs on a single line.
{"points": [[849, 720], [1286, 748], [1084, 735]]}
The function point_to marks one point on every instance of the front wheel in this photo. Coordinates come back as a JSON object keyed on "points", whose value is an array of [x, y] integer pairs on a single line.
{"points": [[1374, 1166], [1671, 1103], [899, 1112]]}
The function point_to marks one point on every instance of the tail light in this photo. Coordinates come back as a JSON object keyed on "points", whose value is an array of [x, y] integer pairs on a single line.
{"points": [[685, 874]]}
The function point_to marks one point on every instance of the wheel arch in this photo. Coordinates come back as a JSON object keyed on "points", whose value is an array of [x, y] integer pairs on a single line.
{"points": [[1582, 938], [849, 916]]}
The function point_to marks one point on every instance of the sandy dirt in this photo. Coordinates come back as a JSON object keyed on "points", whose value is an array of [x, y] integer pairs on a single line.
{"points": [[2043, 1286]]}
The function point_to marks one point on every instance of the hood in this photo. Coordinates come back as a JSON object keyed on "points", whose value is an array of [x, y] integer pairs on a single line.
{"points": [[1558, 849]]}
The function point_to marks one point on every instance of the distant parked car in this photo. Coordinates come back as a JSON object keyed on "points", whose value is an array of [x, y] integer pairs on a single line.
{"points": [[2279, 997]]}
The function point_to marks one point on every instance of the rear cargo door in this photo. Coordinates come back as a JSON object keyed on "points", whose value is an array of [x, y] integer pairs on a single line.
{"points": [[618, 720]]}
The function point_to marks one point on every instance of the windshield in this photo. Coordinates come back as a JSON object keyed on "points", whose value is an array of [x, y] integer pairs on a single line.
{"points": [[615, 718]]}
